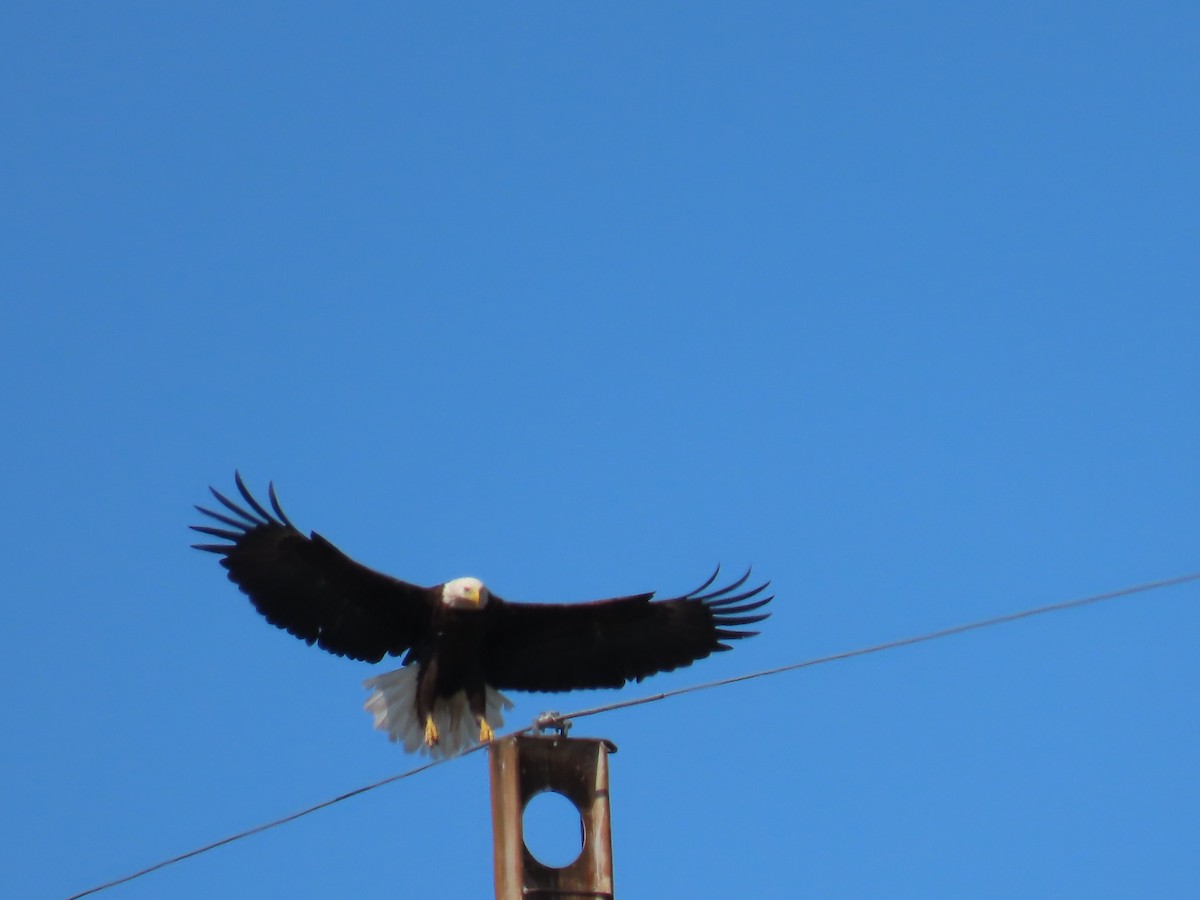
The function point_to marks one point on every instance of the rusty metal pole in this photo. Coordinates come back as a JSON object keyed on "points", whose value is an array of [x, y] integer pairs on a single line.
{"points": [[524, 766]]}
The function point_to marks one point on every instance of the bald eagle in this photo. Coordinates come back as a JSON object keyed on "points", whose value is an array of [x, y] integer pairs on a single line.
{"points": [[461, 643]]}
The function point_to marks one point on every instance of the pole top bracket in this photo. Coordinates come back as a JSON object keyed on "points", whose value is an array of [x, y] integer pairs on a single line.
{"points": [[525, 765]]}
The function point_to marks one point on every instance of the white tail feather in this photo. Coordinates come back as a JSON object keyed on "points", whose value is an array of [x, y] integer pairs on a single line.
{"points": [[393, 704]]}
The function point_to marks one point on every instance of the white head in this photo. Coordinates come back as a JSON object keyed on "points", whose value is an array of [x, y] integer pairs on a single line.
{"points": [[465, 593]]}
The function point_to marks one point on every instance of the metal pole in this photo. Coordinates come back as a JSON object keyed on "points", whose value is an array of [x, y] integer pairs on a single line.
{"points": [[522, 767]]}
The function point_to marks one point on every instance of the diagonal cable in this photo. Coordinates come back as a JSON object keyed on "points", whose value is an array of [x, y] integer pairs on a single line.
{"points": [[552, 720]]}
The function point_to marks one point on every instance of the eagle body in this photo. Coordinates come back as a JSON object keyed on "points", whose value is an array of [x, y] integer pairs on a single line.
{"points": [[460, 643], [451, 657], [442, 683], [449, 665]]}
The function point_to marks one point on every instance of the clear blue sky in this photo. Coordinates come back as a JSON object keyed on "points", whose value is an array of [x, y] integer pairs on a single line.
{"points": [[898, 303]]}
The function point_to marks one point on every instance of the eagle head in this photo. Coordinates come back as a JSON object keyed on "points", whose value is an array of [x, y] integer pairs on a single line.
{"points": [[465, 593]]}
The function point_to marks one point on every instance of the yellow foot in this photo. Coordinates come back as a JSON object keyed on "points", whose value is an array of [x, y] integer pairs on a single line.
{"points": [[485, 732], [431, 735]]}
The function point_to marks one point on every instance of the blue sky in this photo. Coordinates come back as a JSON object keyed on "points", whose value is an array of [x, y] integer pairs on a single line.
{"points": [[896, 303]]}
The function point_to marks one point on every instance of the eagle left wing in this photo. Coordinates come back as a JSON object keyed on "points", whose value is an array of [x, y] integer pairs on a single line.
{"points": [[604, 644], [308, 587]]}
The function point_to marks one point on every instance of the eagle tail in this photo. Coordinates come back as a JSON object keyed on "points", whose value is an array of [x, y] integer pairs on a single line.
{"points": [[393, 704]]}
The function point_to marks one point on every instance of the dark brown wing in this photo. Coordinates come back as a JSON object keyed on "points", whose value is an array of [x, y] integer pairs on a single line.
{"points": [[561, 647], [311, 589]]}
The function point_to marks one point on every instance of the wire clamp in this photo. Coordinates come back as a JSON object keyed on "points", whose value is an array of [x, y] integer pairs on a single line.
{"points": [[552, 721]]}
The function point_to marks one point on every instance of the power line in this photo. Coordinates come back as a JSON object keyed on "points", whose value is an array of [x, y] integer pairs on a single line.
{"points": [[257, 829], [556, 719], [888, 645]]}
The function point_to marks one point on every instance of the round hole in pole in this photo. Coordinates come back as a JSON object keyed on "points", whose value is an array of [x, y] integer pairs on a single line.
{"points": [[553, 829]]}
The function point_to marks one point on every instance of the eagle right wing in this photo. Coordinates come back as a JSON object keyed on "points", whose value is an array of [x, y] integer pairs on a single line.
{"points": [[309, 588], [605, 643]]}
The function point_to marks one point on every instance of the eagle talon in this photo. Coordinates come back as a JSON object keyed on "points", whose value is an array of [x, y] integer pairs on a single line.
{"points": [[431, 732], [486, 735]]}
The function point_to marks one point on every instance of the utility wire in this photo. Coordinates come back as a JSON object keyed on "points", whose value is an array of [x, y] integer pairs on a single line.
{"points": [[552, 720], [266, 826]]}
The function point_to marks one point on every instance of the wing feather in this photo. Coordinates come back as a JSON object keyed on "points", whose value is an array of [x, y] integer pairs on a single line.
{"points": [[606, 643], [309, 588]]}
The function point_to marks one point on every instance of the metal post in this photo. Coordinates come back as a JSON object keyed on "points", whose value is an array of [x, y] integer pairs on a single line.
{"points": [[523, 766]]}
